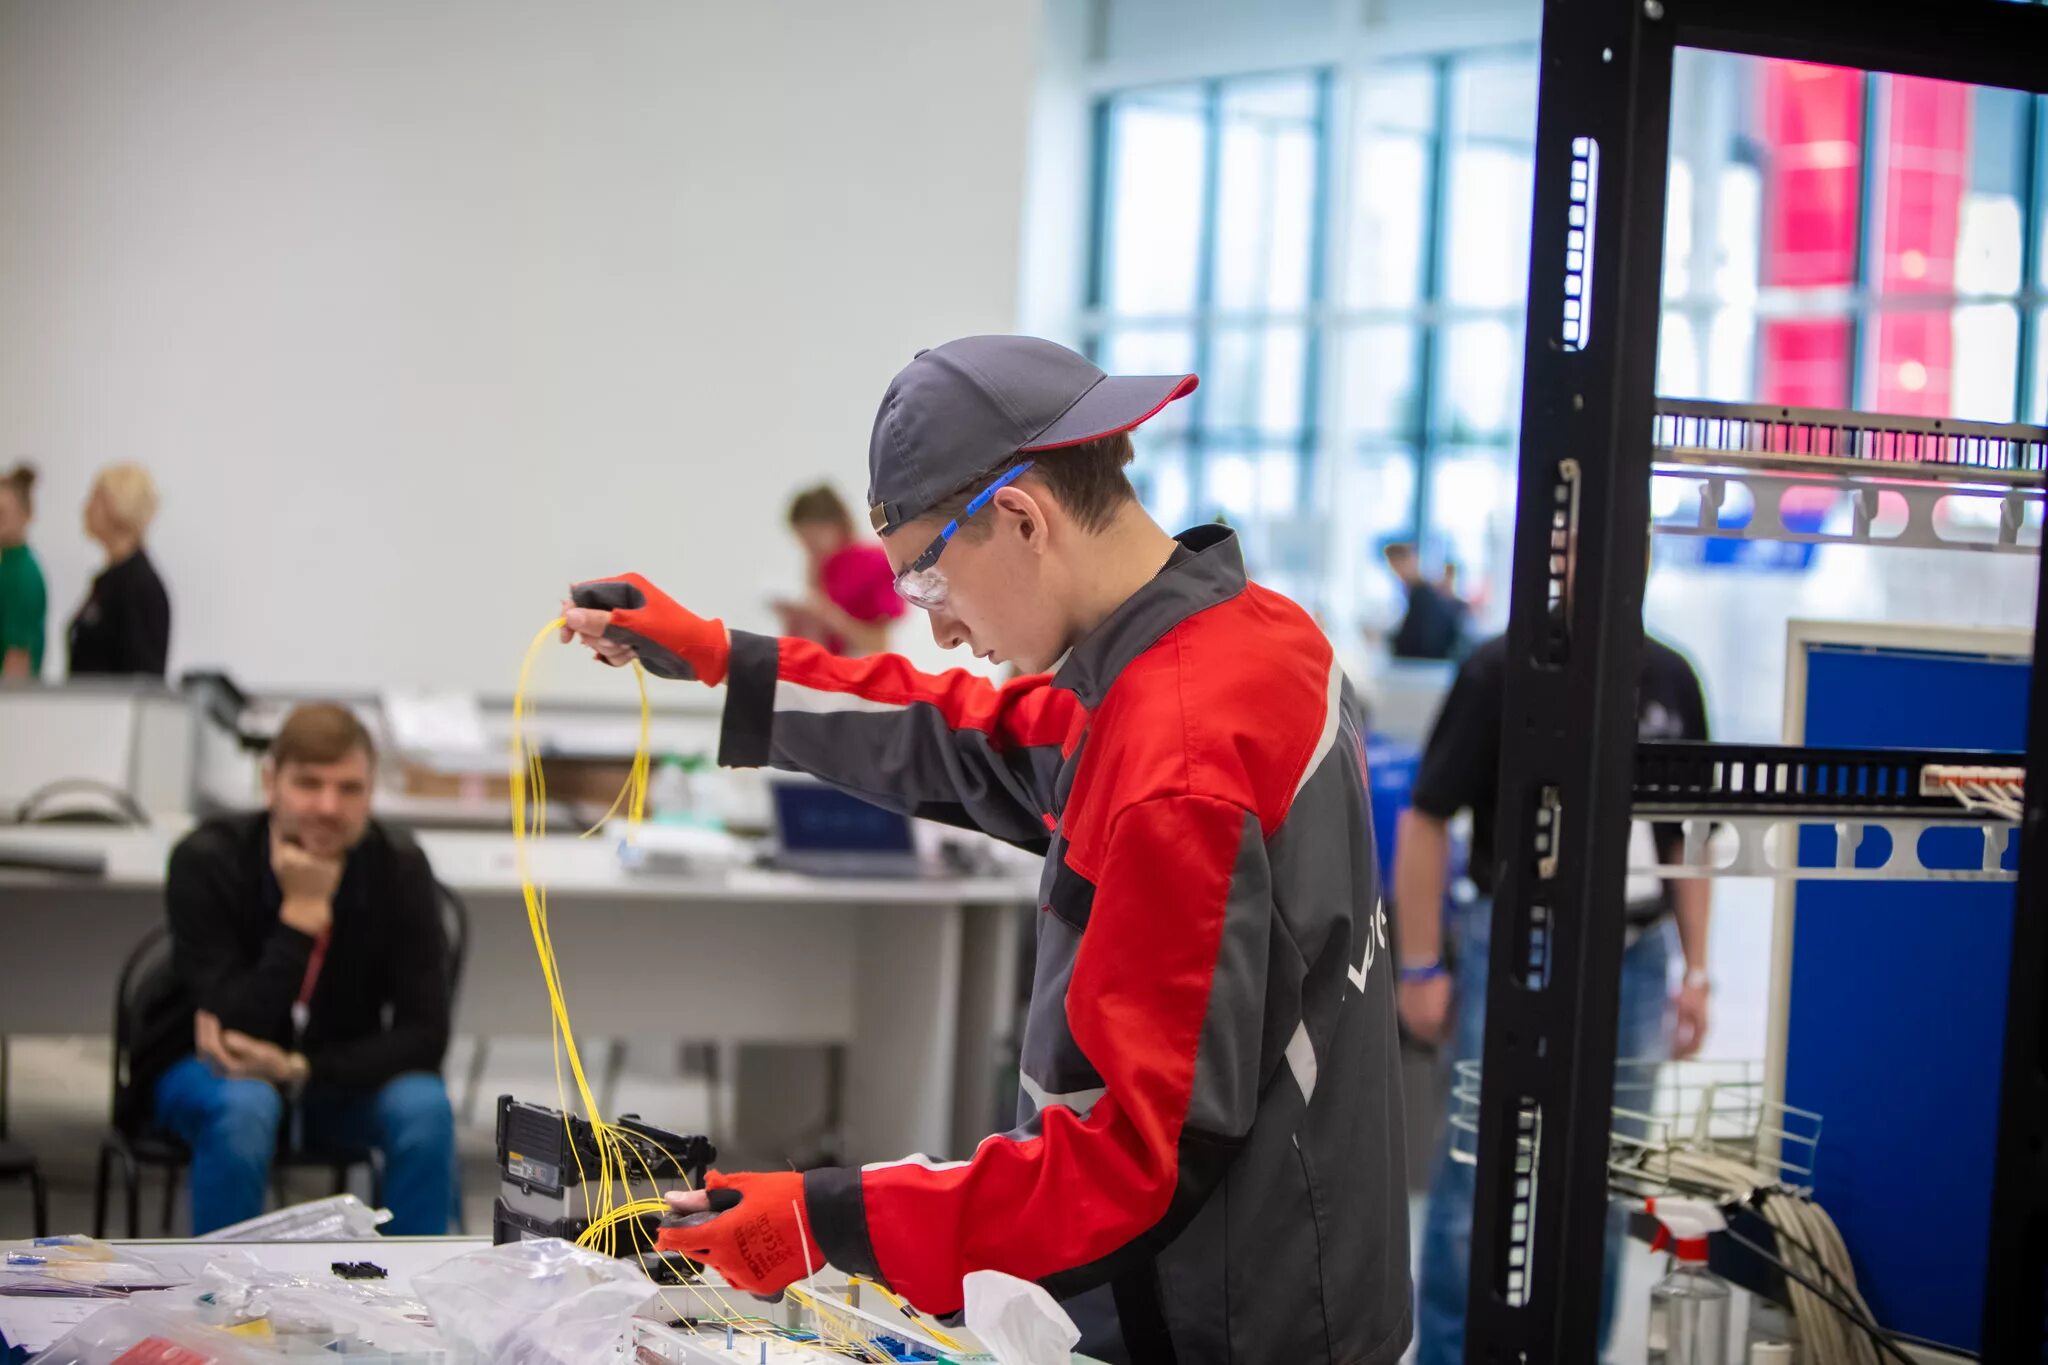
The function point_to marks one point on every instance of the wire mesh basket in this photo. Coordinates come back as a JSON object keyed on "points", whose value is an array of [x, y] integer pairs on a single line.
{"points": [[1662, 1109]]}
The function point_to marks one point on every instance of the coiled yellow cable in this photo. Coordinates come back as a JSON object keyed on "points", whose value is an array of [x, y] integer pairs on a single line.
{"points": [[617, 1155]]}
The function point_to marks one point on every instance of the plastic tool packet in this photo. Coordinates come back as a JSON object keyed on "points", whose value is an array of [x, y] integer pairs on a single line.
{"points": [[246, 1316], [337, 1218], [541, 1302], [80, 1266]]}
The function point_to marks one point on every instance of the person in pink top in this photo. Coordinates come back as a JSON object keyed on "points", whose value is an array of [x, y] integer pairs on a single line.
{"points": [[853, 601]]}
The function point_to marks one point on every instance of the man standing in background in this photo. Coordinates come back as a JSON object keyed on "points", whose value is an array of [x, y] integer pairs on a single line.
{"points": [[1433, 625], [1461, 771]]}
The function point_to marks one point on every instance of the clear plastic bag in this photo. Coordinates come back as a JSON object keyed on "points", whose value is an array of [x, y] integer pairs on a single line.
{"points": [[239, 1314], [542, 1302], [134, 1331], [80, 1266], [337, 1218]]}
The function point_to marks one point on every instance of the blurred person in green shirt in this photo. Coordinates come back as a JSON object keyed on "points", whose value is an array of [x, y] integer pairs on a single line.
{"points": [[23, 601]]}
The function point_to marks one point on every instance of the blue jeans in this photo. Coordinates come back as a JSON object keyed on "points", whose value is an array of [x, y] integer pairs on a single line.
{"points": [[232, 1128], [1447, 1228]]}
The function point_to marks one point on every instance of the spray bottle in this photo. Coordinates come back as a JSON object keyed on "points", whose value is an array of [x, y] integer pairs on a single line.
{"points": [[1689, 1307]]}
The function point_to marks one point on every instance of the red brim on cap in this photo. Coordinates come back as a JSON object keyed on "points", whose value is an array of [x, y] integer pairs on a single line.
{"points": [[1117, 403]]}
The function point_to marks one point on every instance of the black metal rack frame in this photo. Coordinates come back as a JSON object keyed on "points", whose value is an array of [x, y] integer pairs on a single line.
{"points": [[1575, 639]]}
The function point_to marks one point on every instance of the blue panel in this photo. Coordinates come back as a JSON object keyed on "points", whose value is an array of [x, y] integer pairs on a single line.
{"points": [[1390, 768], [1897, 1021]]}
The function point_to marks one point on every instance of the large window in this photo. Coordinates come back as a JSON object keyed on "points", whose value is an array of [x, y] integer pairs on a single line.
{"points": [[1209, 257], [1343, 257], [1345, 268], [1838, 238]]}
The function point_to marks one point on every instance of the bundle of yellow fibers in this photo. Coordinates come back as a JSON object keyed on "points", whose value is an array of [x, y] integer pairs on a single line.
{"points": [[616, 1155]]}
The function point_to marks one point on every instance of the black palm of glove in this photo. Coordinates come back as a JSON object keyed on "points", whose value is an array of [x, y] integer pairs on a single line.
{"points": [[669, 640]]}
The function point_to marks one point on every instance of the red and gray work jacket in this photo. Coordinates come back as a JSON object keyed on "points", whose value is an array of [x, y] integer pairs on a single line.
{"points": [[1208, 1160]]}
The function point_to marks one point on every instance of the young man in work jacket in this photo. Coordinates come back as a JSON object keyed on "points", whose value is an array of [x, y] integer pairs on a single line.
{"points": [[1207, 1166]]}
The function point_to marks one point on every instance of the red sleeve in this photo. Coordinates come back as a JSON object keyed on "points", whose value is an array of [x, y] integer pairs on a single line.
{"points": [[1067, 1191], [952, 746], [1021, 712]]}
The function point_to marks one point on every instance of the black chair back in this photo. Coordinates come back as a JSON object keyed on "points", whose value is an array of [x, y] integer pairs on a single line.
{"points": [[147, 987], [455, 929]]}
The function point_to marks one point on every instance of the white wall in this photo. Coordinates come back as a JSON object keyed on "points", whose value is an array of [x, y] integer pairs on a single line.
{"points": [[1059, 171], [418, 311]]}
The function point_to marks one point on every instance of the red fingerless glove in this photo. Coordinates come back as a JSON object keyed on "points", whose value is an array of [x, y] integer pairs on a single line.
{"points": [[671, 640], [759, 1244]]}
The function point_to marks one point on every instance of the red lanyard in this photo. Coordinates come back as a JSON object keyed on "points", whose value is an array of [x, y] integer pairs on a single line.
{"points": [[313, 965]]}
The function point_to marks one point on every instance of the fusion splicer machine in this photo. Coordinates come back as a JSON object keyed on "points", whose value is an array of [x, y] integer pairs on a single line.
{"points": [[548, 1168]]}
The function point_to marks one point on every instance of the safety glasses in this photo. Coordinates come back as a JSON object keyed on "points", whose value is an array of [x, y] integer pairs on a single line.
{"points": [[922, 583]]}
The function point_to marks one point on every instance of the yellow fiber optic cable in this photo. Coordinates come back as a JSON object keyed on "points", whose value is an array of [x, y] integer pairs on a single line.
{"points": [[616, 1153], [903, 1306]]}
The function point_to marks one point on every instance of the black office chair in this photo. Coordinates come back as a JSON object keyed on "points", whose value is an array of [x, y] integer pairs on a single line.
{"points": [[135, 1140], [19, 1163], [479, 1056], [455, 929], [80, 801]]}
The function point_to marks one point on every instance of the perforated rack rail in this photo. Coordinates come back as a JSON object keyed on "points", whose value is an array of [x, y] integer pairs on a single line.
{"points": [[1897, 471], [2009, 452], [1791, 813], [1681, 777]]}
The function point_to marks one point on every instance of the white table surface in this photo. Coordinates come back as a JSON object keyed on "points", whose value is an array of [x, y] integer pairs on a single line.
{"points": [[478, 862], [36, 1322]]}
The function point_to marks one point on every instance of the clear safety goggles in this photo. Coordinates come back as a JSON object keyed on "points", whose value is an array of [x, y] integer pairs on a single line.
{"points": [[922, 583]]}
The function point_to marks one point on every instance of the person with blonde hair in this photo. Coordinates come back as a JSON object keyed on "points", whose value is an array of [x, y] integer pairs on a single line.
{"points": [[125, 625], [24, 603]]}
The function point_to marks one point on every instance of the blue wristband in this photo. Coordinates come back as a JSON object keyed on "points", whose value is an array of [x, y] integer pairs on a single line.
{"points": [[1429, 971]]}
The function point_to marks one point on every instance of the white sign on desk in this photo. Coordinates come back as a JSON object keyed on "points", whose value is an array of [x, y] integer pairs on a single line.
{"points": [[436, 728]]}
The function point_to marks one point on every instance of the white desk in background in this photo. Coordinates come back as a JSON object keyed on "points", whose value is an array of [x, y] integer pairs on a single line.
{"points": [[914, 976]]}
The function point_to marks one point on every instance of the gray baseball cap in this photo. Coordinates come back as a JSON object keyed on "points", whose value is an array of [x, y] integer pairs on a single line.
{"points": [[964, 409]]}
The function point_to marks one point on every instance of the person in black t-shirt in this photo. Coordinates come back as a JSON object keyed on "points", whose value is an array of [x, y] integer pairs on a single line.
{"points": [[1461, 771], [309, 959], [1435, 622], [124, 628]]}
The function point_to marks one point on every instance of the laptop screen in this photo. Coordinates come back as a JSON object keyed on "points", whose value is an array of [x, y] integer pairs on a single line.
{"points": [[818, 819]]}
